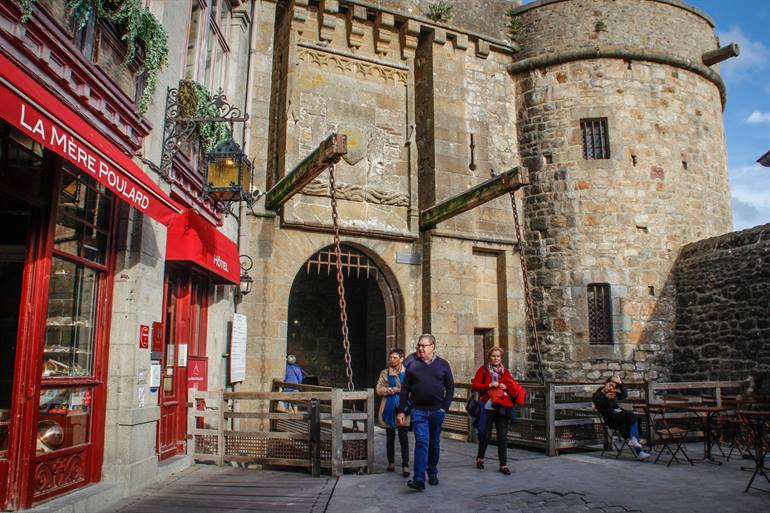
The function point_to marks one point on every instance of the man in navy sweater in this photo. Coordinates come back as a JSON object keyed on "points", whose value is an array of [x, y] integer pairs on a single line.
{"points": [[429, 386]]}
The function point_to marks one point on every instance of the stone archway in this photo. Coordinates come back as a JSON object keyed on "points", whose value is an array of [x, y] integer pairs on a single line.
{"points": [[374, 308]]}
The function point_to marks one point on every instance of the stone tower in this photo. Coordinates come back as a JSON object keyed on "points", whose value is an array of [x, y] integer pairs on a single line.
{"points": [[620, 126]]}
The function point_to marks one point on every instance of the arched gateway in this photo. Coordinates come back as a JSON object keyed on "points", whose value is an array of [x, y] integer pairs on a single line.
{"points": [[375, 316]]}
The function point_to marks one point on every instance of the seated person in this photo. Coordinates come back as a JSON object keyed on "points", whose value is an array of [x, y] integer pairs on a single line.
{"points": [[605, 401]]}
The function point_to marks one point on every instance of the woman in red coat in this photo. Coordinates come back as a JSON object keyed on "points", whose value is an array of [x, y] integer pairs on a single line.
{"points": [[498, 395]]}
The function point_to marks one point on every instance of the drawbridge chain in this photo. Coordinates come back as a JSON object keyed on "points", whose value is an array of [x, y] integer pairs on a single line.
{"points": [[340, 283], [527, 292]]}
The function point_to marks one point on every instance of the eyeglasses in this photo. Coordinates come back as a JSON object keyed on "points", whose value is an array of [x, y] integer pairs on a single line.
{"points": [[423, 345]]}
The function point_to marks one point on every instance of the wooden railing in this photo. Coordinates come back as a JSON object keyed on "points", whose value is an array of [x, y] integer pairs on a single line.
{"points": [[560, 416], [245, 427]]}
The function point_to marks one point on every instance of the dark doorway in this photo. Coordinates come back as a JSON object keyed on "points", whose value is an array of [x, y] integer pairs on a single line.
{"points": [[314, 331]]}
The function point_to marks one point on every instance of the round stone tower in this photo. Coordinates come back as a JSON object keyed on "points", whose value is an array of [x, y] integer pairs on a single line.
{"points": [[620, 125]]}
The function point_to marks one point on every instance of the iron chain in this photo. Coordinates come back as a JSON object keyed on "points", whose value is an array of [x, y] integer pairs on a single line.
{"points": [[340, 282], [527, 292]]}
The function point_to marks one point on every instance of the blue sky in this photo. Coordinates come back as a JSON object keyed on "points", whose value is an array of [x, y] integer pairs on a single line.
{"points": [[747, 115]]}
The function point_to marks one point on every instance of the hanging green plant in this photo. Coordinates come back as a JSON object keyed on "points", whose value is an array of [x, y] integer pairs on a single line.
{"points": [[141, 31], [195, 101], [441, 11]]}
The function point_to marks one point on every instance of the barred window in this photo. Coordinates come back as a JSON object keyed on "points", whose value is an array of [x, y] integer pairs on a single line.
{"points": [[596, 144], [599, 313]]}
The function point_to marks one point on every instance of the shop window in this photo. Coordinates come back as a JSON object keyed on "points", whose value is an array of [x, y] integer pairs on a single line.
{"points": [[599, 314], [207, 44], [69, 338], [73, 318], [83, 217], [64, 418], [596, 143]]}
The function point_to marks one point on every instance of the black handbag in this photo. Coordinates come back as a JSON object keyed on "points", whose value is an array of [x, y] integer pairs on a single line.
{"points": [[472, 407]]}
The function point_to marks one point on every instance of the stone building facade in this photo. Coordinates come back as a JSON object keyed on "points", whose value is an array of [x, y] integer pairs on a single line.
{"points": [[431, 109]]}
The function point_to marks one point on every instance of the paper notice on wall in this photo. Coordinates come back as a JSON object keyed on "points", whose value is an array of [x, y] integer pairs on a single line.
{"points": [[154, 376], [238, 349], [182, 359]]}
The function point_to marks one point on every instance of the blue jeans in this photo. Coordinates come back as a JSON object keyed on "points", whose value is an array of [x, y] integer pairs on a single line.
{"points": [[427, 441]]}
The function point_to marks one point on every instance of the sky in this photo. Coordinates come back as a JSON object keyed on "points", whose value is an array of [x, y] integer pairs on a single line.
{"points": [[747, 114]]}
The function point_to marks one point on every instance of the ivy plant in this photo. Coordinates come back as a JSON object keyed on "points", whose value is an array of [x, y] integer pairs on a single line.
{"points": [[195, 101], [141, 31], [441, 11]]}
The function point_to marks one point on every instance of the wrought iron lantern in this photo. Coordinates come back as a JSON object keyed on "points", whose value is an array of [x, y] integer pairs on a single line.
{"points": [[228, 173], [246, 280]]}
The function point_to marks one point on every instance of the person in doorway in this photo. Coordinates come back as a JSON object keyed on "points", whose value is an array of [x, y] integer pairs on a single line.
{"points": [[389, 388], [499, 394], [293, 374], [430, 387], [605, 401]]}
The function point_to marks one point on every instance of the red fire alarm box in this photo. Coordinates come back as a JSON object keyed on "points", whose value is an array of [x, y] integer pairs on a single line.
{"points": [[157, 336], [144, 336]]}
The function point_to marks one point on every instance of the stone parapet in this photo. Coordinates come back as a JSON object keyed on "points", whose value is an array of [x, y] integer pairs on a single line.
{"points": [[568, 25]]}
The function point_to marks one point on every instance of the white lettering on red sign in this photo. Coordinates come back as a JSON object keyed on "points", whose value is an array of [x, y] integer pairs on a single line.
{"points": [[86, 160], [219, 262]]}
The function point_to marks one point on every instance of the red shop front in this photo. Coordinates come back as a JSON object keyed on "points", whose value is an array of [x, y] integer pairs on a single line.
{"points": [[197, 255], [61, 182]]}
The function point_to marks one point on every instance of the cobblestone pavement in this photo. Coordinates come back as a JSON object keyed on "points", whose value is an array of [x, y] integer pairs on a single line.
{"points": [[577, 482]]}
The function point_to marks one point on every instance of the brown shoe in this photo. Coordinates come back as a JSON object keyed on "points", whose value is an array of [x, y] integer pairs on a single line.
{"points": [[480, 463], [505, 470], [405, 471], [391, 467]]}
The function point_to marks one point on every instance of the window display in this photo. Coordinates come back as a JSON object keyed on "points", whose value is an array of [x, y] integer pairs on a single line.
{"points": [[69, 327], [64, 418]]}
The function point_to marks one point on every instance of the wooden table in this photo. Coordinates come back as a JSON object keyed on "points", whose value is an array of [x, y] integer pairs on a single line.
{"points": [[708, 412], [757, 420]]}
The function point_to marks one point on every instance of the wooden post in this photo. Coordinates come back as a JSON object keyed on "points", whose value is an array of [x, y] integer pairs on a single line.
{"points": [[718, 396], [337, 462], [221, 429], [506, 182], [329, 152], [315, 438], [370, 430], [550, 420]]}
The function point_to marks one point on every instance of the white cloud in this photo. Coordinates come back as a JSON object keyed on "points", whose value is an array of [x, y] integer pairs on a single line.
{"points": [[757, 117], [750, 187], [754, 55]]}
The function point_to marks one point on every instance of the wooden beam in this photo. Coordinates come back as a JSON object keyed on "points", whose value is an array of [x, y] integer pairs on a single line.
{"points": [[506, 182], [329, 152]]}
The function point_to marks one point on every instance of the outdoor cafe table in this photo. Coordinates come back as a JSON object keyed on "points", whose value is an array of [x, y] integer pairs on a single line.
{"points": [[708, 413], [758, 419]]}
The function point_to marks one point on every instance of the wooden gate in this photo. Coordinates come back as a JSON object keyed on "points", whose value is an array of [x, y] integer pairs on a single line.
{"points": [[247, 427]]}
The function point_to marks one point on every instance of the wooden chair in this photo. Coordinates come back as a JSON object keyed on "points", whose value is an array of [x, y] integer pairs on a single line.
{"points": [[671, 435], [614, 440]]}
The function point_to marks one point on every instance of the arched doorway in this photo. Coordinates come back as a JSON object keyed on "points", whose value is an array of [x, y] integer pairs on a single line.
{"points": [[373, 307]]}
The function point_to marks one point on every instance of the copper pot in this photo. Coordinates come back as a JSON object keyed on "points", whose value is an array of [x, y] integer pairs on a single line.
{"points": [[50, 434]]}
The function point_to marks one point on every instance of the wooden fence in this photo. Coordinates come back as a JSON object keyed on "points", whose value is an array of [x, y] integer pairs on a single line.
{"points": [[560, 416], [246, 427]]}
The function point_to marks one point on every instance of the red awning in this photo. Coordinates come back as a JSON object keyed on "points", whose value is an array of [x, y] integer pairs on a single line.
{"points": [[30, 107], [191, 238]]}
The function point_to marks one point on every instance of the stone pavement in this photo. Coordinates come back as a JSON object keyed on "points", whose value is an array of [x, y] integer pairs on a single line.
{"points": [[578, 482]]}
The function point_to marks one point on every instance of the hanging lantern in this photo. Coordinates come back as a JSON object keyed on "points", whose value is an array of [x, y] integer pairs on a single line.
{"points": [[228, 173]]}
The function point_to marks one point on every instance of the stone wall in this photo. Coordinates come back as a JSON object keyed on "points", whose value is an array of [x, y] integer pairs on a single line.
{"points": [[723, 307]]}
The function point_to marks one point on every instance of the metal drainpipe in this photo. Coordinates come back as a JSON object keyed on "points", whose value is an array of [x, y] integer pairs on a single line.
{"points": [[246, 132]]}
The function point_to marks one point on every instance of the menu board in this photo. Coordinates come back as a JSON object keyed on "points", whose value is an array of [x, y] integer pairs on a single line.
{"points": [[238, 349]]}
